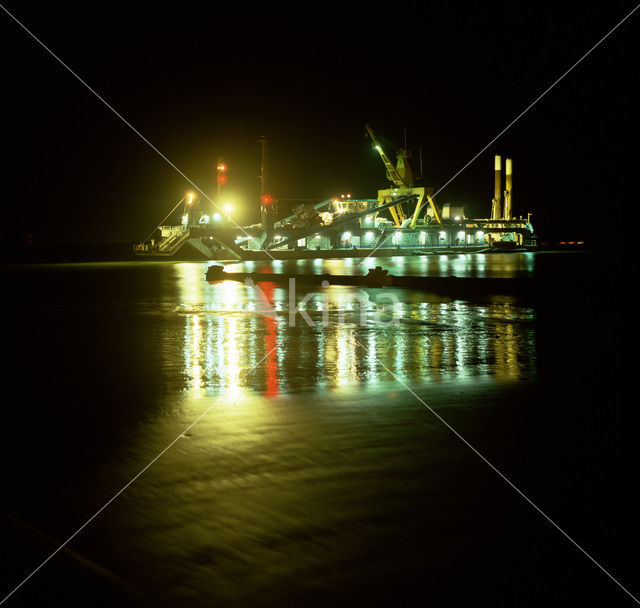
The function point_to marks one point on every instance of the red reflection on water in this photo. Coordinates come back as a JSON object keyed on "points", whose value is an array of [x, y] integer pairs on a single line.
{"points": [[270, 343]]}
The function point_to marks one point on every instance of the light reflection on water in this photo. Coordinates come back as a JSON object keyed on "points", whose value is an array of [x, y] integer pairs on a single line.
{"points": [[268, 500], [478, 265], [226, 334]]}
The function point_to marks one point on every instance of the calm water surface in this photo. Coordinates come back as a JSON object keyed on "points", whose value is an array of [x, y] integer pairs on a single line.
{"points": [[317, 475]]}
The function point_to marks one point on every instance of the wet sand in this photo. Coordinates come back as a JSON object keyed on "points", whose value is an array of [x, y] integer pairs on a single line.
{"points": [[325, 499]]}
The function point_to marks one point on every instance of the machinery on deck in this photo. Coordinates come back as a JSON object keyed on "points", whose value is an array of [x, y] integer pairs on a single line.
{"points": [[402, 177]]}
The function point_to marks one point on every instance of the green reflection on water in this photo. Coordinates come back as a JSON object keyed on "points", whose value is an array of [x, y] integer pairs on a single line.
{"points": [[240, 338]]}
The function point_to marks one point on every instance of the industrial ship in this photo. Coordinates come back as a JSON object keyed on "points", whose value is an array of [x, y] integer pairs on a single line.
{"points": [[403, 220]]}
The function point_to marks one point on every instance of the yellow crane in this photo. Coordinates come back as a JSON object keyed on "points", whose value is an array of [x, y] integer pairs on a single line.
{"points": [[401, 176]]}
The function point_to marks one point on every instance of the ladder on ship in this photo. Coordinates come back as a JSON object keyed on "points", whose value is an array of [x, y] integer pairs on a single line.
{"points": [[173, 242]]}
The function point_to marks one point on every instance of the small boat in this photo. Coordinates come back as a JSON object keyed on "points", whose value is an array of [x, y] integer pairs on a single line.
{"points": [[380, 278]]}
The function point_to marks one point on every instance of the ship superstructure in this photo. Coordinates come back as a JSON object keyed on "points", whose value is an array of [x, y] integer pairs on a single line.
{"points": [[403, 219]]}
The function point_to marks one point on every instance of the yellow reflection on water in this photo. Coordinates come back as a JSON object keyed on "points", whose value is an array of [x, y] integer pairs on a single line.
{"points": [[194, 354], [190, 282], [227, 338], [346, 359], [231, 356]]}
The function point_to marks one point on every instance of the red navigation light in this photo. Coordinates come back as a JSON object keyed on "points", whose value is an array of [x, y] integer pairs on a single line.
{"points": [[266, 199], [222, 171]]}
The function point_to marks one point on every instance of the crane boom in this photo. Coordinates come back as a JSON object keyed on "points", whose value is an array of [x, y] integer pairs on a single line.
{"points": [[392, 173]]}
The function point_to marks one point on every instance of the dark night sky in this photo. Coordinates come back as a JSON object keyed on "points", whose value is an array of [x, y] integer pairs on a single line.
{"points": [[201, 81]]}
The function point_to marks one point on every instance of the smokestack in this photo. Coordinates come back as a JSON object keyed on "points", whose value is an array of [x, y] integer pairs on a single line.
{"points": [[496, 206], [507, 192]]}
